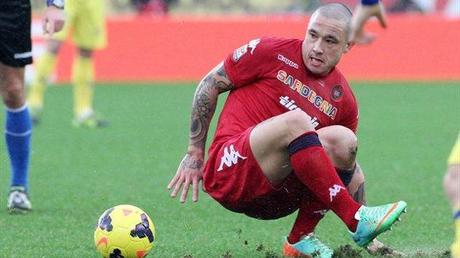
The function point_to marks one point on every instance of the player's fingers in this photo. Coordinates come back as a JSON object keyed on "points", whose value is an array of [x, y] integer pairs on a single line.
{"points": [[173, 181], [51, 28], [59, 26], [45, 25], [183, 196], [177, 176], [177, 187], [195, 189]]}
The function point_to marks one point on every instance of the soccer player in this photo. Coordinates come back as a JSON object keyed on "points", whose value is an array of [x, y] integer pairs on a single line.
{"points": [[285, 133], [15, 53], [452, 188], [363, 12], [87, 22]]}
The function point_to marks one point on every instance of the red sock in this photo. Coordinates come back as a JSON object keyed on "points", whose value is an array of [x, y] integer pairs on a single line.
{"points": [[315, 170], [311, 211]]}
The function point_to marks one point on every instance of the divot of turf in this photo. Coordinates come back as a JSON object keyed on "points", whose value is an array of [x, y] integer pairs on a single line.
{"points": [[346, 251]]}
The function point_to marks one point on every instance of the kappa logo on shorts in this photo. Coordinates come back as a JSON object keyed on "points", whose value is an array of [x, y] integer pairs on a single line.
{"points": [[230, 157], [334, 190]]}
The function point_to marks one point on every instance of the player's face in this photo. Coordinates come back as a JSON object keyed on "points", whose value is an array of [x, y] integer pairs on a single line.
{"points": [[324, 44]]}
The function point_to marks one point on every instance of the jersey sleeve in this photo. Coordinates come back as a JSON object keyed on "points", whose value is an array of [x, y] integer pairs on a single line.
{"points": [[247, 63], [351, 117]]}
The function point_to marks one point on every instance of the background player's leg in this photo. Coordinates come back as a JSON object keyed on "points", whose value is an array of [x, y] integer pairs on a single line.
{"points": [[83, 89], [89, 35], [18, 131], [82, 78], [44, 67], [452, 188]]}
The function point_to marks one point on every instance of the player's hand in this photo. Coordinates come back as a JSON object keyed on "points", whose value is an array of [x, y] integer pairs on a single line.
{"points": [[53, 20], [362, 14], [378, 248], [190, 172]]}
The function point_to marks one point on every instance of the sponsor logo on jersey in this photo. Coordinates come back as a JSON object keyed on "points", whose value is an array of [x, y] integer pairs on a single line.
{"points": [[230, 157], [238, 53], [309, 94], [287, 61], [290, 105], [337, 93], [334, 190], [253, 44]]}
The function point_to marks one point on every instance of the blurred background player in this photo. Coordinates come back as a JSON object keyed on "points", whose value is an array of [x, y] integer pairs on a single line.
{"points": [[363, 12], [15, 54], [86, 23], [452, 188]]}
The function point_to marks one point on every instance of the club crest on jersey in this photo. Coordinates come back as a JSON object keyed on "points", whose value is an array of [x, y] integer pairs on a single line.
{"points": [[337, 93], [309, 94], [239, 52]]}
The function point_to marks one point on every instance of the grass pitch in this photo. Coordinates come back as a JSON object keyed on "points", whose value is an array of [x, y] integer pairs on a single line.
{"points": [[406, 132]]}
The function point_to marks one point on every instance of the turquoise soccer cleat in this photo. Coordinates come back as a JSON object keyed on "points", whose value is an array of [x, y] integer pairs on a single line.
{"points": [[310, 246], [375, 220]]}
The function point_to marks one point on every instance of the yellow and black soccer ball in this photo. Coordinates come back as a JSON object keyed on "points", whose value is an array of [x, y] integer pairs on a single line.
{"points": [[124, 231]]}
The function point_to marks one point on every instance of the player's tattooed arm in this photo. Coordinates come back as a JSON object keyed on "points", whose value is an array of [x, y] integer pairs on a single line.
{"points": [[204, 105]]}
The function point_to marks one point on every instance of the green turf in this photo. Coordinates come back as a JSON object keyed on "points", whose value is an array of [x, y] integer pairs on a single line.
{"points": [[406, 132]]}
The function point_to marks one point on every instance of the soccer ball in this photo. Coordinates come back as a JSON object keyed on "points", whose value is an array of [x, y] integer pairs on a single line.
{"points": [[124, 231]]}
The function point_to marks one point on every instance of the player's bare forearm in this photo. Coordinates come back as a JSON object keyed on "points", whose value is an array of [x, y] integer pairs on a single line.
{"points": [[204, 105], [190, 171]]}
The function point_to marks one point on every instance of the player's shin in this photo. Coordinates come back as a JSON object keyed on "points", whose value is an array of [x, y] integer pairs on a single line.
{"points": [[82, 78], [311, 211], [315, 170], [18, 132]]}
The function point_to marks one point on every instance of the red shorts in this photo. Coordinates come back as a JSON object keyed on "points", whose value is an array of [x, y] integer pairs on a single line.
{"points": [[233, 177]]}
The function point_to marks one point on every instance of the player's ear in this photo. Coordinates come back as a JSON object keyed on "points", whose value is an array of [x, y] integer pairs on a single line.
{"points": [[348, 46]]}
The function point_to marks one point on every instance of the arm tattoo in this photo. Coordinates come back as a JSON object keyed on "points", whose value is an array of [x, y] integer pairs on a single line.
{"points": [[188, 162], [204, 104]]}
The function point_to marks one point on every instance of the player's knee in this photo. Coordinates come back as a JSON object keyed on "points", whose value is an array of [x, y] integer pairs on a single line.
{"points": [[86, 53], [341, 144], [13, 95], [296, 123]]}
